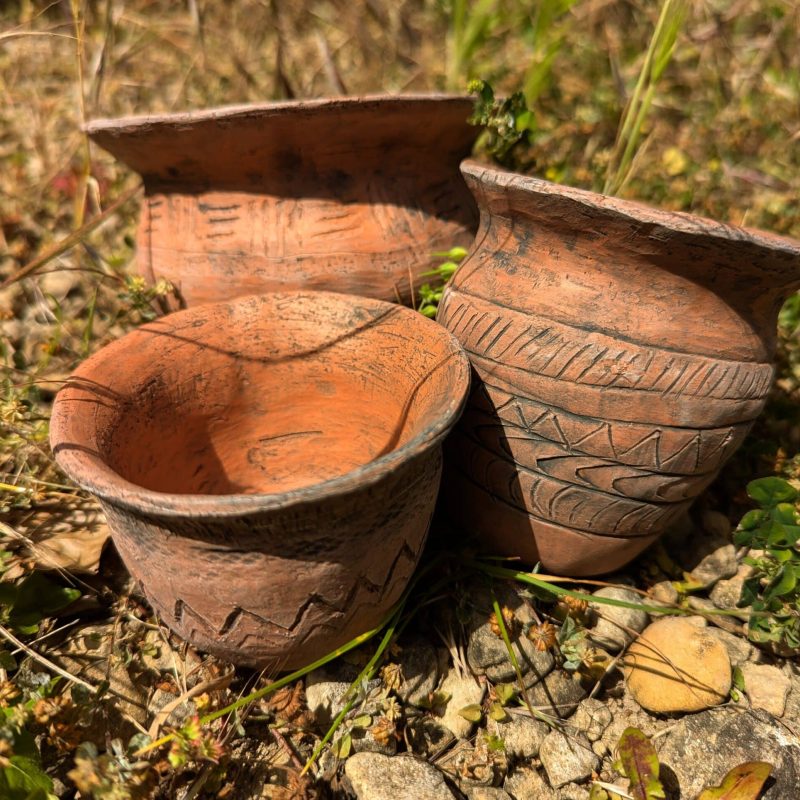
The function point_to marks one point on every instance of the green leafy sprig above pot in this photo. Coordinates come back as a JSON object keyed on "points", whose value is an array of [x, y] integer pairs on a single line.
{"points": [[507, 122]]}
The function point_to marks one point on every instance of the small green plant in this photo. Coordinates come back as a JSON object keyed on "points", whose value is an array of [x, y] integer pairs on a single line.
{"points": [[508, 123], [23, 605], [431, 294], [26, 713], [139, 296], [114, 775], [772, 592]]}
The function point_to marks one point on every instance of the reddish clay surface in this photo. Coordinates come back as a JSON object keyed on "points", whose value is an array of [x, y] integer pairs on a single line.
{"points": [[348, 195], [622, 354], [268, 466]]}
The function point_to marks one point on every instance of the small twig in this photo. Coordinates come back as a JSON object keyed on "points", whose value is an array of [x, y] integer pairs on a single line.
{"points": [[285, 746]]}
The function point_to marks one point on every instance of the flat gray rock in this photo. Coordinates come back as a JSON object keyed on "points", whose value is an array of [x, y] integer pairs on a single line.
{"points": [[591, 718], [378, 777], [487, 793], [463, 691], [486, 651], [567, 758], [710, 558], [420, 665], [527, 783], [326, 689], [522, 735], [557, 695]]}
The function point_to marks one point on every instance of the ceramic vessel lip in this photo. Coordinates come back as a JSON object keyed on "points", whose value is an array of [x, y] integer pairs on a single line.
{"points": [[613, 207], [90, 471], [417, 102]]}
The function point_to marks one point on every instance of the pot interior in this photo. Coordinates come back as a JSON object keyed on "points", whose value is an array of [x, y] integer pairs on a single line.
{"points": [[266, 395]]}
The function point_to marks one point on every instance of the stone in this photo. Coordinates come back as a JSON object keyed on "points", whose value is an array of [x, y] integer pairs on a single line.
{"points": [[567, 757], [726, 593], [600, 749], [664, 594], [521, 734], [611, 630], [558, 694], [427, 736], [463, 691], [716, 523], [527, 783], [486, 651], [699, 750], [766, 687], [574, 792], [696, 621], [709, 559], [739, 648], [59, 282], [487, 793], [792, 712], [674, 666], [592, 717], [420, 665], [326, 689], [378, 777]]}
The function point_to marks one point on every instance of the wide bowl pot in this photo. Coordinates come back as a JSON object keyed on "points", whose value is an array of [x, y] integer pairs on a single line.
{"points": [[349, 194], [268, 466]]}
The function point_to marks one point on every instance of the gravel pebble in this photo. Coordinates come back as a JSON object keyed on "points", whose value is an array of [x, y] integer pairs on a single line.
{"points": [[567, 758], [378, 777]]}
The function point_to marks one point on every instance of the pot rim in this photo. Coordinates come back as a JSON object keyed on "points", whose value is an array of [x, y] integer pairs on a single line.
{"points": [[680, 222], [92, 473], [142, 123]]}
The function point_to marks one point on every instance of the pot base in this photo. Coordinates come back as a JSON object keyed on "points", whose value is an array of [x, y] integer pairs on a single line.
{"points": [[511, 532]]}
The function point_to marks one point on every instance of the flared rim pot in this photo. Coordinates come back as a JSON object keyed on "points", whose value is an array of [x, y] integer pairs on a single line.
{"points": [[347, 194], [622, 353], [292, 519]]}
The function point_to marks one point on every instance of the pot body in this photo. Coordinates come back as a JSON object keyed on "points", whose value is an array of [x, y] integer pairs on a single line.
{"points": [[620, 355], [269, 466], [349, 195], [278, 590]]}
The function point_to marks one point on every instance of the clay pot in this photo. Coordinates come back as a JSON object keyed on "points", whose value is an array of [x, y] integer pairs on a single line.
{"points": [[268, 466], [621, 354], [348, 195]]}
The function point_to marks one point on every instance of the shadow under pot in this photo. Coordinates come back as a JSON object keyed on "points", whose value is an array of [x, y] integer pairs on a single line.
{"points": [[269, 466], [347, 195], [620, 353]]}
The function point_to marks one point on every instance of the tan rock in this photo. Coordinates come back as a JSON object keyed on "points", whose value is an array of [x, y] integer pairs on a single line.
{"points": [[767, 687], [676, 666]]}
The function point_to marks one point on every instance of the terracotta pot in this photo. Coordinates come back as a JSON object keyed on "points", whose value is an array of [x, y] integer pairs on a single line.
{"points": [[622, 354], [348, 195], [268, 466]]}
